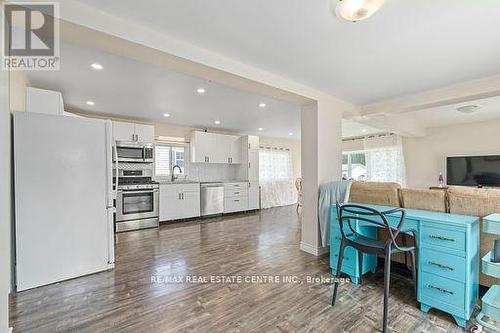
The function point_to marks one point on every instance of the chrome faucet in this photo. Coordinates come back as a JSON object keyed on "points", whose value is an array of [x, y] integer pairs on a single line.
{"points": [[174, 177]]}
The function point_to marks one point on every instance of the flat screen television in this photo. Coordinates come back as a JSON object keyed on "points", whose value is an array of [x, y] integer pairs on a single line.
{"points": [[473, 170]]}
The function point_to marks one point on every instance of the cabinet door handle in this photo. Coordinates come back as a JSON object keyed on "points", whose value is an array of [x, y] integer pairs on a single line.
{"points": [[249, 165], [440, 289], [441, 266], [441, 238], [182, 195]]}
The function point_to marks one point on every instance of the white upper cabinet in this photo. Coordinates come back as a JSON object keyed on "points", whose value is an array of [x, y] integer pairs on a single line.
{"points": [[124, 131], [253, 142], [144, 133], [215, 148], [44, 101], [203, 147]]}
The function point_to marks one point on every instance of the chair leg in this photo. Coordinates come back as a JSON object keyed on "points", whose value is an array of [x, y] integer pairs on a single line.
{"points": [[337, 276], [360, 265], [414, 271], [387, 280]]}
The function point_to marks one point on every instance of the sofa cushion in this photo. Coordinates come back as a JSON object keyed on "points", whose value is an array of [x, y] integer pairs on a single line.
{"points": [[375, 193], [434, 200], [477, 202]]}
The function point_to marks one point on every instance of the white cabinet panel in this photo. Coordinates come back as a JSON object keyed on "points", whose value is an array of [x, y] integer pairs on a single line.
{"points": [[203, 147], [253, 165], [179, 201], [44, 101], [223, 148], [253, 196], [235, 204], [235, 150], [144, 133], [253, 142], [123, 131]]}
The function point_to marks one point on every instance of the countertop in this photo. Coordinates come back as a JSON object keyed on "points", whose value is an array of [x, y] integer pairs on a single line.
{"points": [[187, 181]]}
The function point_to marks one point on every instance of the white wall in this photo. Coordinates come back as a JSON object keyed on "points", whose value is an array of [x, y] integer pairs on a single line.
{"points": [[5, 201], [425, 157]]}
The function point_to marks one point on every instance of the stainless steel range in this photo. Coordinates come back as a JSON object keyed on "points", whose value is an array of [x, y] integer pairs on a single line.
{"points": [[137, 200]]}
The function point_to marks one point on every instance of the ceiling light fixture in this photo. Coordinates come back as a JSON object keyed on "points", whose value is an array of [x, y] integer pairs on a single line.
{"points": [[261, 129], [91, 103], [217, 122], [290, 133], [468, 108], [166, 115], [356, 10], [262, 105], [96, 66], [364, 130], [200, 91]]}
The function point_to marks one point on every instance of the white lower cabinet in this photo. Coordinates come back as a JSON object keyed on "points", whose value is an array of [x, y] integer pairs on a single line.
{"points": [[253, 196], [179, 201], [235, 197]]}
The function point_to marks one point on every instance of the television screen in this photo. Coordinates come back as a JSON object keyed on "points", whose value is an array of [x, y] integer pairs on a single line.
{"points": [[473, 170]]}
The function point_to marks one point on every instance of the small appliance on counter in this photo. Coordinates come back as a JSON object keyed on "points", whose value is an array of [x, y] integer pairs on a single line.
{"points": [[137, 198]]}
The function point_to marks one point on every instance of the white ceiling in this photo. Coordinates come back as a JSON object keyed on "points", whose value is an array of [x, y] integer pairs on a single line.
{"points": [[132, 89], [448, 115], [406, 47]]}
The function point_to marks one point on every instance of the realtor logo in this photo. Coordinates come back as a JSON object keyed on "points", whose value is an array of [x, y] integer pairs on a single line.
{"points": [[30, 36]]}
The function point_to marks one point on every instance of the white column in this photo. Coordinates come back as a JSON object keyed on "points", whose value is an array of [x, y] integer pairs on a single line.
{"points": [[321, 162], [5, 201]]}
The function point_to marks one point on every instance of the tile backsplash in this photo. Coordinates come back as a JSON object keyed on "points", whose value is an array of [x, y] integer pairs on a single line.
{"points": [[211, 172]]}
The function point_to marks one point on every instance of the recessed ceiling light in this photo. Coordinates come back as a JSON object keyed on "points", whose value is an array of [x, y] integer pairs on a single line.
{"points": [[290, 133], [356, 10], [96, 66], [364, 130], [166, 115], [217, 122], [261, 129], [468, 108], [262, 105], [200, 91], [91, 103]]}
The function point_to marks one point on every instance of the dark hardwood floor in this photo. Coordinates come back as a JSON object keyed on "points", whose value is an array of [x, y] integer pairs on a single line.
{"points": [[127, 299]]}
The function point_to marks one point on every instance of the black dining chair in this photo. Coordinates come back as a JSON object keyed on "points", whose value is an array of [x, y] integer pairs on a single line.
{"points": [[349, 213]]}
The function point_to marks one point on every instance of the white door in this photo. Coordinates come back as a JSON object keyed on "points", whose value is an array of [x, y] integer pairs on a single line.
{"points": [[236, 150], [253, 142], [170, 208], [61, 198], [253, 196], [203, 147], [190, 202], [123, 131], [223, 148], [145, 133], [253, 165]]}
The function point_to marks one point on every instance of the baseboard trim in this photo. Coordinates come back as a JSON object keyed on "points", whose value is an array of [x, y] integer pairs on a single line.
{"points": [[314, 250]]}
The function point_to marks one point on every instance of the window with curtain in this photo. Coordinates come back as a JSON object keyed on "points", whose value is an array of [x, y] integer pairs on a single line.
{"points": [[381, 160], [276, 177], [166, 156]]}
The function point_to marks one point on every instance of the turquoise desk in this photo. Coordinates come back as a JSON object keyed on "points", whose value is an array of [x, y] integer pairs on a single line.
{"points": [[448, 258]]}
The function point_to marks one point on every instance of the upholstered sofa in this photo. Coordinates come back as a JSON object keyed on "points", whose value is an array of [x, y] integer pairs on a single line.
{"points": [[455, 199]]}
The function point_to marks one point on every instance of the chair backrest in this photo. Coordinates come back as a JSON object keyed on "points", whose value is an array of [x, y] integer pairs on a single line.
{"points": [[349, 213]]}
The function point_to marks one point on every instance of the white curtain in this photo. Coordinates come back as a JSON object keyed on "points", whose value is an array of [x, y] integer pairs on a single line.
{"points": [[385, 159], [276, 177]]}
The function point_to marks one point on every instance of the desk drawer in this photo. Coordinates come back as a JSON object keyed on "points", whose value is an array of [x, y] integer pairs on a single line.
{"points": [[443, 290], [442, 264], [446, 238], [350, 258]]}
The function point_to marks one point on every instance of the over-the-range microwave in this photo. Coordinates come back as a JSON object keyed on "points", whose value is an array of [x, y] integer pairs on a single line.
{"points": [[130, 151]]}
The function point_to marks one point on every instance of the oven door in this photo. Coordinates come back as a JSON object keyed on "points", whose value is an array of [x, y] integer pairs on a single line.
{"points": [[136, 204]]}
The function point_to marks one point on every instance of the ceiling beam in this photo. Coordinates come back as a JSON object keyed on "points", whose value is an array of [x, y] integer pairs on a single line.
{"points": [[464, 92]]}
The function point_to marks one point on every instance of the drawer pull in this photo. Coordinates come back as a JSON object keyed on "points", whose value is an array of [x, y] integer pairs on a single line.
{"points": [[441, 238], [440, 289], [441, 266], [236, 192], [236, 201]]}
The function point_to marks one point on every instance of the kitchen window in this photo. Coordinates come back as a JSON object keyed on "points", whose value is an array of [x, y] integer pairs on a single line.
{"points": [[166, 157]]}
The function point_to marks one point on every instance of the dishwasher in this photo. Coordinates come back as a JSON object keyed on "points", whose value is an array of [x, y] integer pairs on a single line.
{"points": [[212, 198]]}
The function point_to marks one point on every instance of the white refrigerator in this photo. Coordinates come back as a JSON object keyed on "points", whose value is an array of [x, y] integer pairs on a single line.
{"points": [[63, 198]]}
